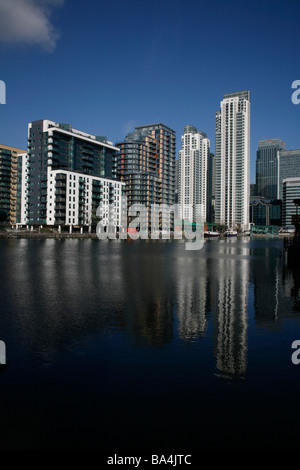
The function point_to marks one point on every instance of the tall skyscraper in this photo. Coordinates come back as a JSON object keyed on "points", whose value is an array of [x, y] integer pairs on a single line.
{"points": [[8, 181], [146, 163], [233, 161], [289, 167], [193, 171], [267, 167], [165, 139], [228, 300], [51, 197], [136, 167]]}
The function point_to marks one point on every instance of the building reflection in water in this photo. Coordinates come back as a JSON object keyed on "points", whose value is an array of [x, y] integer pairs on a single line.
{"points": [[154, 292], [291, 278], [214, 285], [148, 308], [273, 282], [265, 277], [230, 300], [191, 290], [64, 292], [70, 289]]}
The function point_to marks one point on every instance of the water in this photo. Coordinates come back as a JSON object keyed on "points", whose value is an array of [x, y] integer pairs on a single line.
{"points": [[143, 345]]}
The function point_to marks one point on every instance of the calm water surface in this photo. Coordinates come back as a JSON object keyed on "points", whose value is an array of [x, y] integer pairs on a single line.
{"points": [[144, 345]]}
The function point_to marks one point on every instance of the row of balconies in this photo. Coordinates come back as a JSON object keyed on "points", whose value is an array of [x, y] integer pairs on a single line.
{"points": [[59, 213], [60, 177], [60, 207]]}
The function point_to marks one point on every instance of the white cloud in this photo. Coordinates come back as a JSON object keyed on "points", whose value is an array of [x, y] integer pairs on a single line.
{"points": [[28, 22]]}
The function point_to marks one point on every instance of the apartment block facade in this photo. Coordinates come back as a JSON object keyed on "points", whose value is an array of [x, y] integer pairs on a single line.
{"points": [[8, 181], [267, 167], [136, 167], [193, 174], [165, 155], [146, 164], [77, 156], [232, 157], [75, 197]]}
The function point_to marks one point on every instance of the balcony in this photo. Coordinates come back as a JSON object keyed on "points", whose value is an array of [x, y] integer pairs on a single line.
{"points": [[60, 214], [60, 207], [60, 221], [60, 177], [97, 190]]}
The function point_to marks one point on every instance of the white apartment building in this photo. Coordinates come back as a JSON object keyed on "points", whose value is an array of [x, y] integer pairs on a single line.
{"points": [[65, 176], [192, 173], [73, 199], [232, 157]]}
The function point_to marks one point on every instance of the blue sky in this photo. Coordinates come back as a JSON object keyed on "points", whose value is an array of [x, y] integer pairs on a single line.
{"points": [[107, 66]]}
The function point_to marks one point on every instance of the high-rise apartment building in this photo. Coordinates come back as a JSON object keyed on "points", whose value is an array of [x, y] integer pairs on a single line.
{"points": [[51, 147], [8, 181], [193, 173], [267, 167], [232, 158], [165, 140], [289, 167], [146, 164], [136, 167], [211, 177]]}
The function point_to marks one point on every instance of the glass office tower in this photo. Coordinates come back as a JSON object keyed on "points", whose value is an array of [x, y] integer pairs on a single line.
{"points": [[289, 167], [267, 167]]}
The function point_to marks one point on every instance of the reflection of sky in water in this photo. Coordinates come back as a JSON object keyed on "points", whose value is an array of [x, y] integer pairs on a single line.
{"points": [[149, 319], [61, 291]]}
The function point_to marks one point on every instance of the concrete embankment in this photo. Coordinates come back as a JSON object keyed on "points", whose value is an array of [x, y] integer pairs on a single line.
{"points": [[43, 235]]}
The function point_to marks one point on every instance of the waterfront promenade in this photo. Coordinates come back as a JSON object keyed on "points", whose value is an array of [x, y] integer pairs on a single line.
{"points": [[4, 234]]}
